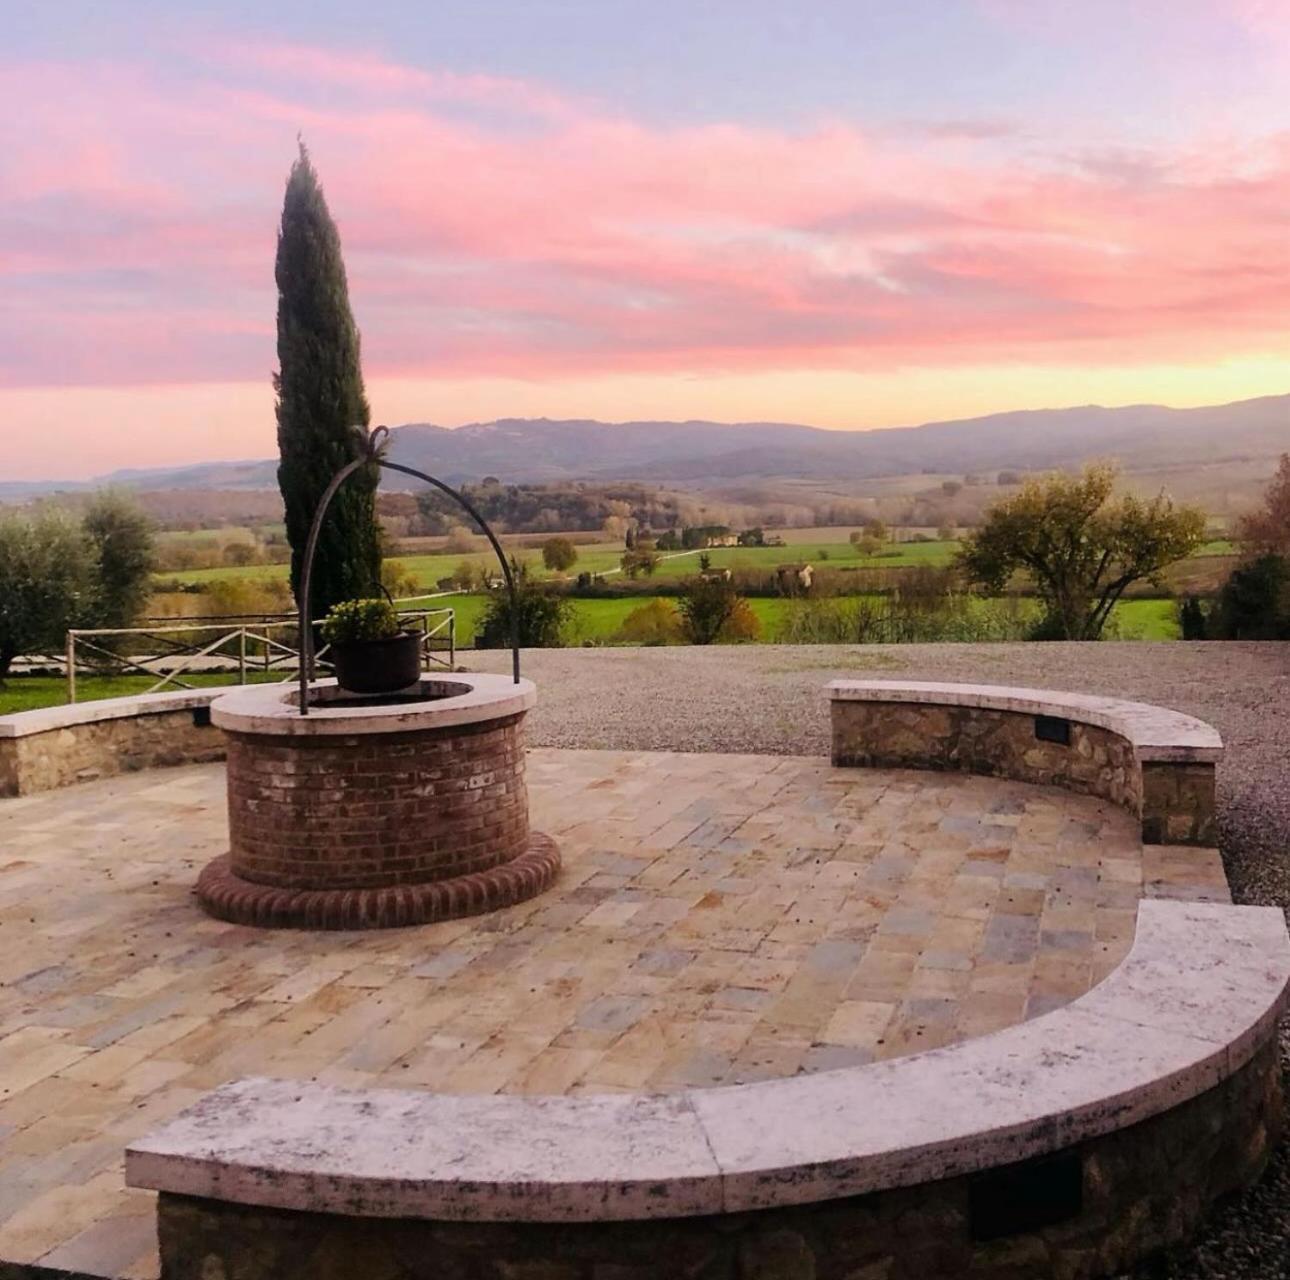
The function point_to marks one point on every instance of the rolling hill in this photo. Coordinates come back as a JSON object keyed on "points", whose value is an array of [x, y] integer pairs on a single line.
{"points": [[1143, 437]]}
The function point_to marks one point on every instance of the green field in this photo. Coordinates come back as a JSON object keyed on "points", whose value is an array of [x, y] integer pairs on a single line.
{"points": [[1144, 620], [599, 621], [604, 558], [591, 622]]}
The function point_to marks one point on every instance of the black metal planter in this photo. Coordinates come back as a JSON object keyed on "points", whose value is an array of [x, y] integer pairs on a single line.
{"points": [[378, 666]]}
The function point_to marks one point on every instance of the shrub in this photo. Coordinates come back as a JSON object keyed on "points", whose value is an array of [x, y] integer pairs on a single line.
{"points": [[468, 574], [654, 623], [460, 539], [1193, 622], [353, 620], [892, 620], [541, 615], [559, 554], [239, 554], [233, 596], [1254, 603], [712, 610], [642, 559], [742, 626], [398, 579]]}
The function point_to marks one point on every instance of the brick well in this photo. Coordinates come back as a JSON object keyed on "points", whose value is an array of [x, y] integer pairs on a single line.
{"points": [[403, 821]]}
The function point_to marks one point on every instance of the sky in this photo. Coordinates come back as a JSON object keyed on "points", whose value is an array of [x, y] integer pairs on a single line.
{"points": [[850, 213]]}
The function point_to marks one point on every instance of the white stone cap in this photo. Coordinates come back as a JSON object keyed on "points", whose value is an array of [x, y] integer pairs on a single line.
{"points": [[275, 709], [1200, 991], [1155, 733], [22, 724]]}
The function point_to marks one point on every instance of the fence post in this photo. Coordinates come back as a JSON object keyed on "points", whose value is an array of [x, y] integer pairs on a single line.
{"points": [[241, 655], [452, 640], [71, 667]]}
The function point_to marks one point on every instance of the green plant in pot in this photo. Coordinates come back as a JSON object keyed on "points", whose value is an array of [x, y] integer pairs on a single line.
{"points": [[369, 648]]}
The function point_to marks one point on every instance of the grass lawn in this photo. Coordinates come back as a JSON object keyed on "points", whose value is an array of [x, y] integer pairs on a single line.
{"points": [[26, 693], [1145, 620]]}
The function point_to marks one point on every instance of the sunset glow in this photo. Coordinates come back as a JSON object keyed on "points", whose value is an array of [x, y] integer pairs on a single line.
{"points": [[1003, 216]]}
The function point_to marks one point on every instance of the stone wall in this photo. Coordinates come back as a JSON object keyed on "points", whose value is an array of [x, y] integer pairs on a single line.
{"points": [[1178, 803], [376, 809], [1175, 800], [1135, 1192], [74, 753], [981, 740]]}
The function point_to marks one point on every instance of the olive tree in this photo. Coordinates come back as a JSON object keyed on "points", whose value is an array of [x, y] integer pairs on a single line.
{"points": [[120, 535], [1081, 546], [47, 572]]}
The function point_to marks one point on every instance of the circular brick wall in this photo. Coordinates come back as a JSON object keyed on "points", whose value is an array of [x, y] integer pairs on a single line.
{"points": [[393, 818], [379, 809]]}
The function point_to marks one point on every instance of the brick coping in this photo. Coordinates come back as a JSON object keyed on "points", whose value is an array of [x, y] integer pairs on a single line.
{"points": [[1198, 995], [274, 710], [1155, 733], [227, 896]]}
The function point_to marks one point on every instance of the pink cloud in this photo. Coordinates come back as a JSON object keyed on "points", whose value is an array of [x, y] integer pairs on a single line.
{"points": [[137, 218]]}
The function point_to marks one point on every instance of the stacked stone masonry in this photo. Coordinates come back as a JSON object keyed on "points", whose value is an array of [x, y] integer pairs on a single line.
{"points": [[1174, 799], [1140, 1189], [63, 755]]}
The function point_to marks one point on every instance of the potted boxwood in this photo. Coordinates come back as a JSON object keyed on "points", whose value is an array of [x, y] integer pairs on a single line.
{"points": [[369, 648]]}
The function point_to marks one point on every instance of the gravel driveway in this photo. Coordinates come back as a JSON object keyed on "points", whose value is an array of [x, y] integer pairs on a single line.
{"points": [[769, 698]]}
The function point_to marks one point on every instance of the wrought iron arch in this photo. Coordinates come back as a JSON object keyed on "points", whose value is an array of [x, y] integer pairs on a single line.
{"points": [[373, 445]]}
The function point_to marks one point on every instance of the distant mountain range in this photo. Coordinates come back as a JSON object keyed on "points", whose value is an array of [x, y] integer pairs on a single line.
{"points": [[1142, 437]]}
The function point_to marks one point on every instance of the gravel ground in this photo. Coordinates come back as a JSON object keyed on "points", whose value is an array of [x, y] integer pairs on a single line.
{"points": [[769, 698]]}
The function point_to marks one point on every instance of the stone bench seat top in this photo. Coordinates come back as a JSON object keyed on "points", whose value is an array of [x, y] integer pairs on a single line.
{"points": [[23, 724], [1156, 733], [1201, 989]]}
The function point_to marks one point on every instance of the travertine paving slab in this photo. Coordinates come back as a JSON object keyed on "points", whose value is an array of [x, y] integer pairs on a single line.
{"points": [[720, 919]]}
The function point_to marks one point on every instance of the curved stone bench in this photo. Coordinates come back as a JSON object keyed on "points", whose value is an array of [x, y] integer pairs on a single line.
{"points": [[1140, 1103], [57, 746], [1157, 763]]}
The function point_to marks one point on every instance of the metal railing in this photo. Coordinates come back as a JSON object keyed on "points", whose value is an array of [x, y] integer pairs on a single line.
{"points": [[259, 648]]}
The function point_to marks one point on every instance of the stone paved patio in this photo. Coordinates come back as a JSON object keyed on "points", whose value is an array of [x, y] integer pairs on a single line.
{"points": [[719, 919]]}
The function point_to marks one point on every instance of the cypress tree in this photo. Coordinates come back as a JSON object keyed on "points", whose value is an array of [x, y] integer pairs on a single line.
{"points": [[320, 400]]}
